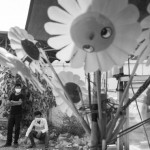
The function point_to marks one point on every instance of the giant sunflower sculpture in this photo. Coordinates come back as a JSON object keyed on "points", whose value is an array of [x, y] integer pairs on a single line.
{"points": [[144, 39], [73, 84], [95, 33], [26, 49]]}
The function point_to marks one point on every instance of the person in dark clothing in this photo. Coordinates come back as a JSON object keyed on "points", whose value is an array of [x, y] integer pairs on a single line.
{"points": [[15, 116]]}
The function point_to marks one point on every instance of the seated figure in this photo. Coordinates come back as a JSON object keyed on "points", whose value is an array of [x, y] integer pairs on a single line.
{"points": [[38, 129]]}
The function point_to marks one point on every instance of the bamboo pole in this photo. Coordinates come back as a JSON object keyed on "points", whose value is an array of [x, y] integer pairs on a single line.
{"points": [[120, 92], [98, 91], [95, 133], [70, 103], [82, 101], [123, 97], [89, 90], [126, 125], [138, 93], [104, 120], [115, 133]]}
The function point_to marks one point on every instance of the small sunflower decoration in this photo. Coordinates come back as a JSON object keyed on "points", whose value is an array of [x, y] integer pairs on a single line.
{"points": [[96, 34], [144, 39], [26, 48], [73, 85]]}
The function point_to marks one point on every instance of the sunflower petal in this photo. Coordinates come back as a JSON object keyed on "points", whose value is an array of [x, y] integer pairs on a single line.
{"points": [[20, 53], [56, 28], [144, 36], [66, 76], [118, 55], [15, 44], [148, 62], [114, 7], [141, 48], [69, 76], [128, 15], [26, 35], [69, 112], [19, 32], [59, 42], [126, 36], [14, 30], [70, 6], [107, 7], [76, 78], [63, 107], [11, 35], [80, 83], [145, 54], [59, 101], [78, 58], [145, 23], [66, 53], [59, 15], [105, 61], [148, 8], [62, 76], [84, 5], [91, 62]]}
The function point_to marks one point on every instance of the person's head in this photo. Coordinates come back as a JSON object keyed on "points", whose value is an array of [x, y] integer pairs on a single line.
{"points": [[37, 114], [17, 87]]}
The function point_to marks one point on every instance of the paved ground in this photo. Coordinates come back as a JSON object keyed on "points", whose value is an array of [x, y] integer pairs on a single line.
{"points": [[21, 147]]}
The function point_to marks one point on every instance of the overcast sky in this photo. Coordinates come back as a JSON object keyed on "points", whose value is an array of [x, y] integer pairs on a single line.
{"points": [[13, 13]]}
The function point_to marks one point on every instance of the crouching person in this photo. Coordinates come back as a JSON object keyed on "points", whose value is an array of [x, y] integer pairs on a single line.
{"points": [[38, 129]]}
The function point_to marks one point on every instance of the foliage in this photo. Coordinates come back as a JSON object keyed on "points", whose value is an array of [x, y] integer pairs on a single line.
{"points": [[33, 99], [70, 125]]}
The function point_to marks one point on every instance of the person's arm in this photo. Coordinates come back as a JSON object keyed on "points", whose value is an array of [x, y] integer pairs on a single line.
{"points": [[45, 126], [30, 128], [14, 103], [8, 103]]}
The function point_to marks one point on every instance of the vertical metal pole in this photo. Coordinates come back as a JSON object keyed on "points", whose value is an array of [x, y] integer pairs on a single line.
{"points": [[89, 89], [126, 125], [119, 96]]}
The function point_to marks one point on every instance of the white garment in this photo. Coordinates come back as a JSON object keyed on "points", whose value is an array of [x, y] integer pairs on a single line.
{"points": [[40, 124]]}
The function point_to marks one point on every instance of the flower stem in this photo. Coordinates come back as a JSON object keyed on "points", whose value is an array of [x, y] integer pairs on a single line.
{"points": [[124, 96], [69, 102]]}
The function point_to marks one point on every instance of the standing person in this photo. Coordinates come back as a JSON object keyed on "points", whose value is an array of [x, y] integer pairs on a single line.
{"points": [[15, 116], [38, 129]]}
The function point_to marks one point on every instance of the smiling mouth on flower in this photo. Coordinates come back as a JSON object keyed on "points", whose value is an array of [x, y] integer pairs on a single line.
{"points": [[88, 48]]}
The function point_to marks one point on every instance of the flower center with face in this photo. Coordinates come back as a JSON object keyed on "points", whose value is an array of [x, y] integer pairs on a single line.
{"points": [[31, 49], [92, 32]]}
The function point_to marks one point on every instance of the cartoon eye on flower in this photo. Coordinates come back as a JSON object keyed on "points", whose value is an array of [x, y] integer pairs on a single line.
{"points": [[144, 39], [73, 85], [97, 34], [26, 48]]}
